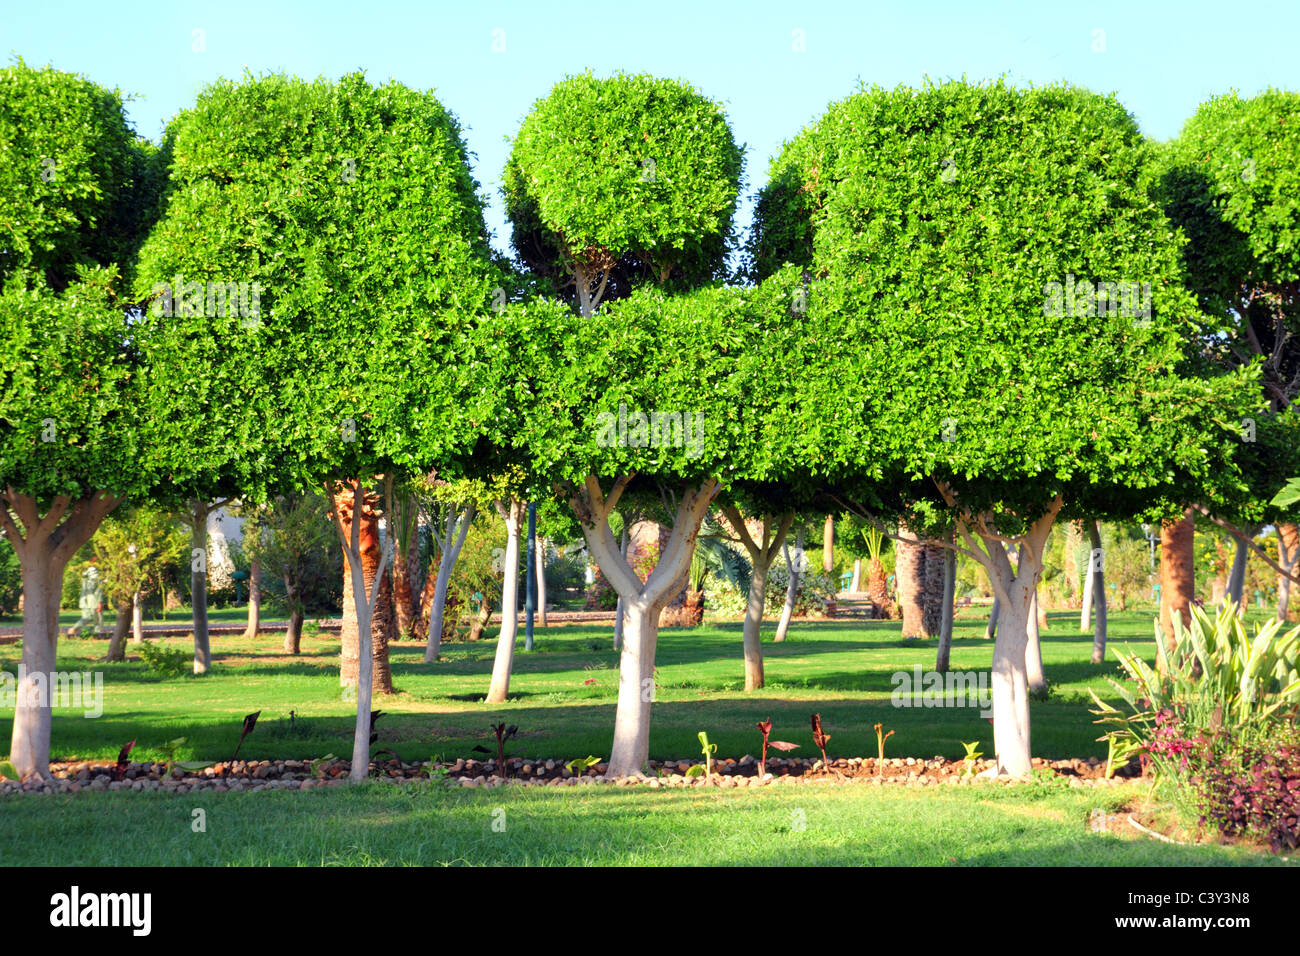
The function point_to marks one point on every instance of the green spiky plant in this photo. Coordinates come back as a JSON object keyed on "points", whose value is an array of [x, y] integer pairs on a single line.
{"points": [[971, 756], [708, 750]]}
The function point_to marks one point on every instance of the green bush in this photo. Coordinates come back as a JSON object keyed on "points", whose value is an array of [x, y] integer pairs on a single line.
{"points": [[169, 662], [11, 579]]}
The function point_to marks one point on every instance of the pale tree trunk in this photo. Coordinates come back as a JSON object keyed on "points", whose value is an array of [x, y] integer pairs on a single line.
{"points": [[458, 523], [791, 587], [828, 545], [945, 624], [644, 602], [1098, 592], [44, 547], [1288, 540], [620, 609], [1237, 577], [1016, 588], [481, 620], [1177, 573], [254, 599], [199, 512], [909, 574], [991, 630], [855, 583], [1089, 583], [1034, 677], [539, 548], [364, 601], [121, 626], [512, 513], [374, 636], [762, 552], [137, 619]]}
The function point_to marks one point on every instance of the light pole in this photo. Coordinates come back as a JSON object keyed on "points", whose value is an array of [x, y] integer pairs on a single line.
{"points": [[530, 584]]}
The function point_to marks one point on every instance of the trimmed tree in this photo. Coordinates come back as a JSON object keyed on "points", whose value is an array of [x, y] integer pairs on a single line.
{"points": [[76, 429], [1036, 348]]}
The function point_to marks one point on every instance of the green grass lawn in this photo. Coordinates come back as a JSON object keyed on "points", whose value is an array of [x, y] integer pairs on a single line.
{"points": [[384, 824], [562, 695]]}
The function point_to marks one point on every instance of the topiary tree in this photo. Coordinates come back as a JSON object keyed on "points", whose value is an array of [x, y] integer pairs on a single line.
{"points": [[353, 208], [77, 431], [997, 252], [1229, 182]]}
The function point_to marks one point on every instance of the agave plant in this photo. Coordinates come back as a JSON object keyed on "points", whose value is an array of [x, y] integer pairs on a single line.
{"points": [[1217, 677], [714, 558]]}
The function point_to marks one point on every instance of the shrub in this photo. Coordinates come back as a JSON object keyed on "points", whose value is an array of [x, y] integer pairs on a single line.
{"points": [[172, 662], [1257, 793], [11, 578]]}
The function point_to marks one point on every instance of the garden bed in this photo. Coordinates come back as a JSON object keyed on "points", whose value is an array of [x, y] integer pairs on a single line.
{"points": [[521, 771]]}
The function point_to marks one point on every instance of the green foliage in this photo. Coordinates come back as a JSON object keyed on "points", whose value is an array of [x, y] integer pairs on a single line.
{"points": [[77, 186], [971, 756], [633, 174], [580, 765], [293, 538], [134, 546], [708, 750], [931, 272], [1216, 678], [169, 662], [11, 578]]}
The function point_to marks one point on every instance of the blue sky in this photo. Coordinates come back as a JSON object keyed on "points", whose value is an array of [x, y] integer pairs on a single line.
{"points": [[488, 62]]}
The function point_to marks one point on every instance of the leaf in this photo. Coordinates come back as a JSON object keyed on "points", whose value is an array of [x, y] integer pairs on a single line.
{"points": [[782, 745]]}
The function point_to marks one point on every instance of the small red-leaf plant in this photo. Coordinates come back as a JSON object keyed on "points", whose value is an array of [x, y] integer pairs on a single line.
{"points": [[765, 728], [821, 739], [123, 761], [250, 721], [503, 733]]}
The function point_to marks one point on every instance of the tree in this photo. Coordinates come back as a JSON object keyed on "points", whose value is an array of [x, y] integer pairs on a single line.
{"points": [[76, 431], [907, 209], [132, 548], [281, 537], [354, 210], [1229, 183], [613, 183], [762, 548]]}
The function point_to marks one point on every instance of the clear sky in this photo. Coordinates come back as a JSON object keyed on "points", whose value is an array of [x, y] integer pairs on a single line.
{"points": [[775, 66]]}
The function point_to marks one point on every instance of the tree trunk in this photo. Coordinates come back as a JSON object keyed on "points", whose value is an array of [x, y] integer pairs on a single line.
{"points": [[855, 585], [1089, 579], [620, 610], [458, 523], [199, 585], [540, 549], [254, 599], [791, 587], [1035, 680], [1098, 591], [752, 629], [878, 586], [369, 557], [991, 630], [828, 545], [945, 624], [137, 619], [644, 602], [1177, 573], [481, 620], [293, 633], [1237, 578], [1016, 587], [1288, 540], [121, 625], [909, 569], [43, 553], [513, 515]]}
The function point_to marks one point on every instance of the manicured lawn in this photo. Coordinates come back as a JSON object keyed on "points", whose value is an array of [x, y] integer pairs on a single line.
{"points": [[383, 824], [563, 695]]}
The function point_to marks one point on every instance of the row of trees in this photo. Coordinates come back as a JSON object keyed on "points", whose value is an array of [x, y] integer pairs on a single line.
{"points": [[897, 346]]}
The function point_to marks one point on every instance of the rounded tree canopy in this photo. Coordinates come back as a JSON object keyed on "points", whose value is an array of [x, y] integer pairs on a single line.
{"points": [[1006, 300], [670, 387], [1232, 181], [76, 184], [635, 176], [344, 221], [75, 190]]}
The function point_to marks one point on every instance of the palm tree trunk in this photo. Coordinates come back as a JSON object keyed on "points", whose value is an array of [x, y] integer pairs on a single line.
{"points": [[1177, 573]]}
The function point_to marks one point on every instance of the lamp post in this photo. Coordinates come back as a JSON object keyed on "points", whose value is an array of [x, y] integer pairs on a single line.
{"points": [[530, 583]]}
